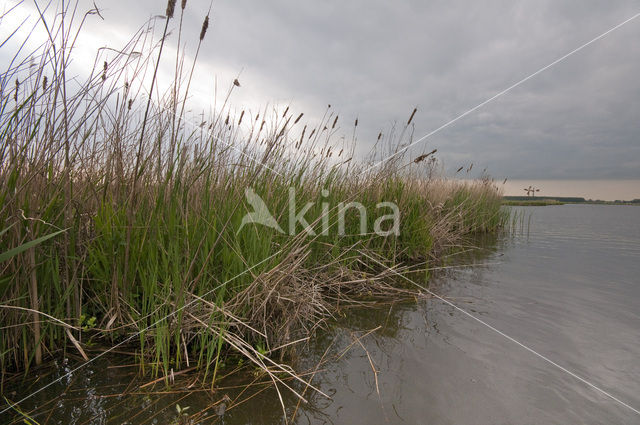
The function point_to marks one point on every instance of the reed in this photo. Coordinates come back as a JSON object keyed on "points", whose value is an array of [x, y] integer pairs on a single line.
{"points": [[149, 206]]}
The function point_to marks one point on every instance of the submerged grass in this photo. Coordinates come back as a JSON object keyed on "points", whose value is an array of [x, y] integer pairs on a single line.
{"points": [[151, 206]]}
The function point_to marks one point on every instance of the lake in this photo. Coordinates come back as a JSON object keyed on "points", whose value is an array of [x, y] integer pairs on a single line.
{"points": [[566, 286]]}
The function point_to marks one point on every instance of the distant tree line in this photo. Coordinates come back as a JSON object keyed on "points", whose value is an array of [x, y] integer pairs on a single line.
{"points": [[572, 200]]}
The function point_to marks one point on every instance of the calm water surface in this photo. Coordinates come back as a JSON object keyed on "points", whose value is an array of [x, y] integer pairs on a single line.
{"points": [[569, 288]]}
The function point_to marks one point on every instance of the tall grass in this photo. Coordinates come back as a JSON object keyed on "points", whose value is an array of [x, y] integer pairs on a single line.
{"points": [[152, 204]]}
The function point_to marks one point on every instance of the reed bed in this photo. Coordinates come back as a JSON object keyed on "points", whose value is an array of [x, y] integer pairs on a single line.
{"points": [[149, 200]]}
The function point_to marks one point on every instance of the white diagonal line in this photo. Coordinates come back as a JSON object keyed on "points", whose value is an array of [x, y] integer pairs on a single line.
{"points": [[497, 95], [11, 405], [499, 332]]}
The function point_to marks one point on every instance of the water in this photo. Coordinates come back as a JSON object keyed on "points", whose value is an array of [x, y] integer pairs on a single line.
{"points": [[568, 289]]}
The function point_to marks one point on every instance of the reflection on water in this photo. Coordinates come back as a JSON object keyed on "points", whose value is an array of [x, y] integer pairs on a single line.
{"points": [[568, 288]]}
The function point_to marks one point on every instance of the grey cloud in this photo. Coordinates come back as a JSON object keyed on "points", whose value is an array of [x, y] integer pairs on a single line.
{"points": [[377, 60]]}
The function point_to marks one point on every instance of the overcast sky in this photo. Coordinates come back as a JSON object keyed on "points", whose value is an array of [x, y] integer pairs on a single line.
{"points": [[377, 60]]}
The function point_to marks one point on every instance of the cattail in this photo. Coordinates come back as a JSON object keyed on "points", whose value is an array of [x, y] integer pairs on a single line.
{"points": [[356, 123], [341, 150], [420, 158], [424, 156], [236, 83], [44, 83], [15, 96], [126, 86], [285, 112], [205, 25], [241, 115], [226, 122], [257, 116], [262, 125], [334, 122], [171, 7], [298, 119], [104, 71], [459, 169], [301, 138], [312, 133], [505, 180], [379, 135], [130, 104], [184, 4], [412, 114]]}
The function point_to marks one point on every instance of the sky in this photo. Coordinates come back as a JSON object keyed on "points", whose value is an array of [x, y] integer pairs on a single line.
{"points": [[377, 60]]}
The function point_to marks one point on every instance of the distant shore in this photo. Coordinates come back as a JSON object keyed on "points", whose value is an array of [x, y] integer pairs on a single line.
{"points": [[560, 200]]}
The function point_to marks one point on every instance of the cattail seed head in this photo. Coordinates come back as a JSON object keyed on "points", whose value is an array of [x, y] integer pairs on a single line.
{"points": [[412, 115], [15, 96], [205, 25], [130, 104], [171, 7], [334, 122], [298, 119], [44, 83], [301, 137], [184, 4], [241, 115]]}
